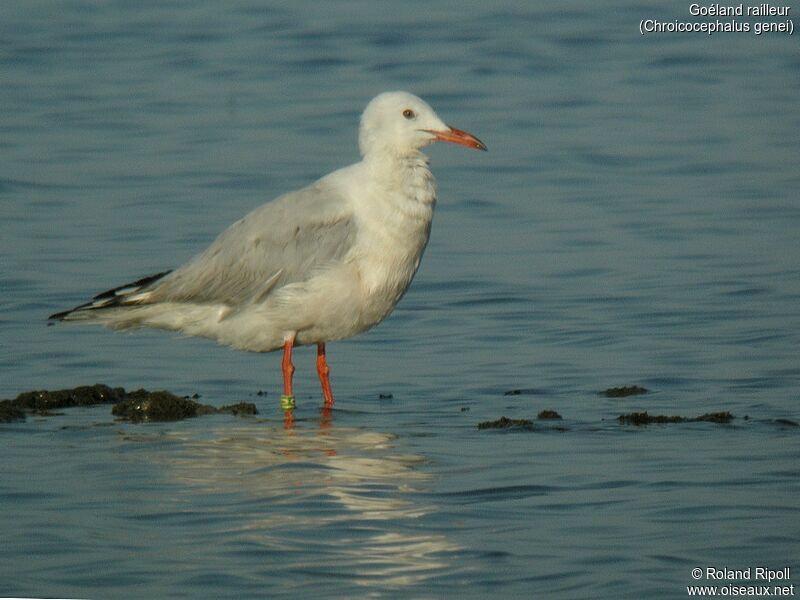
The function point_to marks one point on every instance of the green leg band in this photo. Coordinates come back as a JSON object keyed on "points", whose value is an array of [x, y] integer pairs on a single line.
{"points": [[287, 402]]}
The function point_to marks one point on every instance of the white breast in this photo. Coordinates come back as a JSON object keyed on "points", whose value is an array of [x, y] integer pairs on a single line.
{"points": [[394, 213]]}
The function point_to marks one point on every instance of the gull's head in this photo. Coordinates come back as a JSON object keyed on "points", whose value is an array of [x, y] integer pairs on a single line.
{"points": [[399, 123]]}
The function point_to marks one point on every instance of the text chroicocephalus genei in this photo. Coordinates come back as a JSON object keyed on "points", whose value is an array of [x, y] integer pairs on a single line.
{"points": [[315, 265]]}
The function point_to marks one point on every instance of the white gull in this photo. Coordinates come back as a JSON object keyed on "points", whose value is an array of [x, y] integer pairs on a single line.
{"points": [[322, 263]]}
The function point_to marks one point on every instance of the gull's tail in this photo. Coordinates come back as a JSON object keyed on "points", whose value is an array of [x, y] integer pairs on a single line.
{"points": [[131, 294]]}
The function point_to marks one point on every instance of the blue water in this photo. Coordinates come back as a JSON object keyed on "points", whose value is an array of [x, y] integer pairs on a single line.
{"points": [[634, 221]]}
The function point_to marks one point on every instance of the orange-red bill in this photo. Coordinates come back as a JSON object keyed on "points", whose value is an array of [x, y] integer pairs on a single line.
{"points": [[456, 136]]}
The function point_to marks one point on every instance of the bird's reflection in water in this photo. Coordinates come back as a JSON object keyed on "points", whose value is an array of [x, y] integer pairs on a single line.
{"points": [[324, 499], [325, 418]]}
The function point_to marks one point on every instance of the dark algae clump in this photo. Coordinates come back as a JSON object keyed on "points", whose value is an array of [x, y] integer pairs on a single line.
{"points": [[624, 391], [643, 418], [717, 417], [137, 406], [44, 401], [548, 414], [506, 423], [10, 412], [142, 405]]}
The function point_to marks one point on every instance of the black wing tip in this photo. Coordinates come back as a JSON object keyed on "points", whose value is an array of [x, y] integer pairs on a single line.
{"points": [[62, 316], [111, 297], [144, 281]]}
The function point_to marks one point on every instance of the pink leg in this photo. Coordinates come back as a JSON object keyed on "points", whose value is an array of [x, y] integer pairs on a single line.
{"points": [[324, 372], [288, 370]]}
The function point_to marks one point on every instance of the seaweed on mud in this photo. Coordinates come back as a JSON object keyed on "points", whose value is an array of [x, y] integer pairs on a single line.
{"points": [[624, 391], [548, 414], [643, 418], [506, 423], [137, 405], [10, 412]]}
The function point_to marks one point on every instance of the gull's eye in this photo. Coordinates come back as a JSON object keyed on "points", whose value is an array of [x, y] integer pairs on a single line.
{"points": [[409, 114]]}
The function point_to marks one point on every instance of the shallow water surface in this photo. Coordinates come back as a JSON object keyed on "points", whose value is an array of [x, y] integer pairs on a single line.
{"points": [[634, 222]]}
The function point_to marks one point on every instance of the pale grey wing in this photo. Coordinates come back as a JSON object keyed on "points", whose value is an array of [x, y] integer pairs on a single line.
{"points": [[282, 242]]}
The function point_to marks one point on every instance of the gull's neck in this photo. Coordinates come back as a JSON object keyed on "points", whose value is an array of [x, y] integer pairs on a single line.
{"points": [[405, 175]]}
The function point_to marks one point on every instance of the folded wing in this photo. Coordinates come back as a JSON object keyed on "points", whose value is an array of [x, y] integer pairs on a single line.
{"points": [[282, 242]]}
